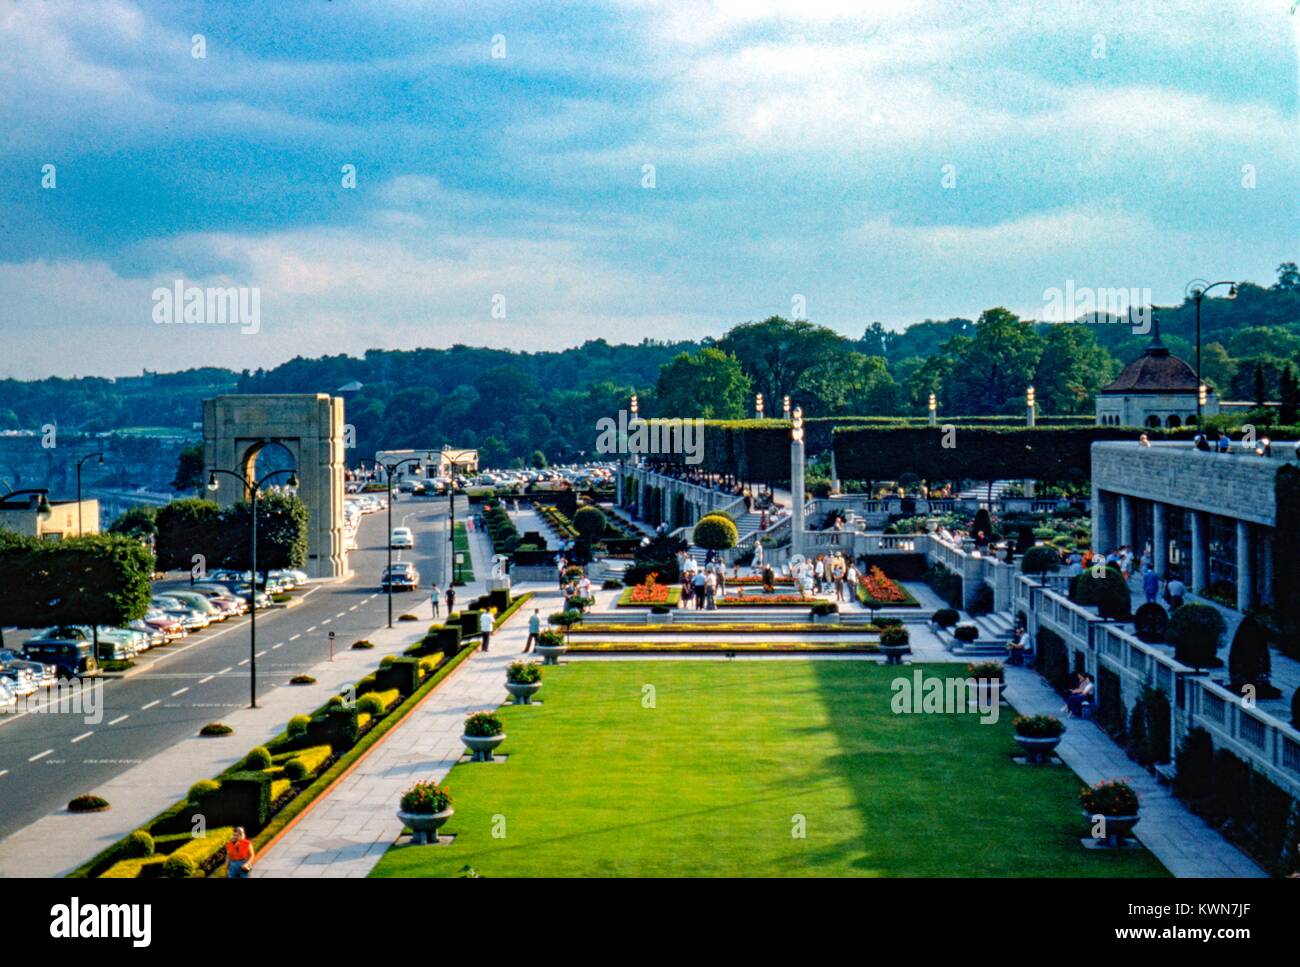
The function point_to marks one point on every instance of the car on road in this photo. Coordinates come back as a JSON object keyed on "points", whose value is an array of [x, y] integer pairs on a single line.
{"points": [[201, 603], [221, 596], [171, 628], [401, 538], [20, 680], [7, 698], [43, 673], [403, 576], [71, 658]]}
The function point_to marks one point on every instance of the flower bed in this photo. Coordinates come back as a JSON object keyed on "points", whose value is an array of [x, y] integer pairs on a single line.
{"points": [[722, 647], [650, 593], [755, 581], [762, 601], [589, 629], [877, 589]]}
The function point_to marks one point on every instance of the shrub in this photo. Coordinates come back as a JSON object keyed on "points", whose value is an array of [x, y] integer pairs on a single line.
{"points": [[258, 758], [1040, 559], [714, 532], [966, 633], [1295, 708], [660, 609], [946, 617], [945, 583], [1195, 631], [407, 617], [242, 799], [302, 680], [590, 522], [387, 661], [565, 619], [1114, 798], [335, 701], [894, 636], [363, 643], [1249, 660], [1103, 588], [138, 844], [523, 673], [610, 584], [204, 787], [1150, 623], [986, 669], [983, 522], [179, 867], [1053, 659], [298, 726], [87, 804], [1038, 726], [1195, 767], [483, 724], [216, 728], [425, 799], [296, 770], [981, 601], [550, 639], [370, 705], [823, 608]]}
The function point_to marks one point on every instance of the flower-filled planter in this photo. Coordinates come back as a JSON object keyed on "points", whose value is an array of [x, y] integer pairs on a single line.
{"points": [[424, 809], [483, 733], [551, 645], [1038, 735], [895, 642], [990, 680], [825, 612], [523, 679], [1117, 804]]}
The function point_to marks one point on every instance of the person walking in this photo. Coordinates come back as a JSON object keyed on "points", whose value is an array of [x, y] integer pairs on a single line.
{"points": [[534, 629], [239, 855], [451, 600], [485, 627], [1150, 585], [710, 590], [698, 583], [559, 571], [435, 596]]}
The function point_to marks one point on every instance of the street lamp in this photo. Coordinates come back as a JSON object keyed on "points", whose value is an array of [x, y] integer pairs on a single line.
{"points": [[785, 406], [1031, 412], [758, 406], [451, 502], [89, 456], [252, 488], [390, 469], [1197, 290], [934, 406], [796, 428], [40, 499]]}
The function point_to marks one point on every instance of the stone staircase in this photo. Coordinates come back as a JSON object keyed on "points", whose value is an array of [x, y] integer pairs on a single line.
{"points": [[995, 636], [981, 493], [747, 525]]}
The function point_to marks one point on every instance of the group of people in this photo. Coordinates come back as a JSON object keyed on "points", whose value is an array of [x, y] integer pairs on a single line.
{"points": [[835, 571], [1221, 442]]}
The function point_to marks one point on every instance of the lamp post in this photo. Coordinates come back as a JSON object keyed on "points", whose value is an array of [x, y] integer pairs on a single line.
{"points": [[390, 469], [785, 406], [451, 523], [252, 488], [758, 406], [88, 456], [635, 407], [934, 407], [796, 481], [40, 499], [1031, 407], [1197, 290]]}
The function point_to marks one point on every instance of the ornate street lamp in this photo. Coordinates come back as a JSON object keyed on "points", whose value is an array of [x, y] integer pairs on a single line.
{"points": [[88, 456], [1031, 407], [934, 406], [1196, 290], [758, 406]]}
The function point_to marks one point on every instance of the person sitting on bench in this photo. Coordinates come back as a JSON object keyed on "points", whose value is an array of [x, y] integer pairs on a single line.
{"points": [[1079, 696]]}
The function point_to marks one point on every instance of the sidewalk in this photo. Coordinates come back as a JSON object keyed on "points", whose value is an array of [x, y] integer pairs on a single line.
{"points": [[350, 828], [1183, 842]]}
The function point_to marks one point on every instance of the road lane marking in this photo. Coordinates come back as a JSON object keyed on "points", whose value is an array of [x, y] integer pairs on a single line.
{"points": [[204, 681], [295, 637], [341, 614], [83, 735], [224, 670], [180, 691], [4, 772], [146, 708], [311, 629], [260, 654], [40, 755], [327, 621], [280, 645], [120, 718]]}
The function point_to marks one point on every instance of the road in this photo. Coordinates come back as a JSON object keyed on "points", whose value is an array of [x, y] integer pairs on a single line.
{"points": [[48, 755]]}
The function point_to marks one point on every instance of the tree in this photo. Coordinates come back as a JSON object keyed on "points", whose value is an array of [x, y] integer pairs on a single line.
{"points": [[776, 353], [538, 460], [1040, 559], [1289, 396], [1195, 631], [590, 523], [708, 385], [189, 469], [1104, 589], [1249, 660], [1071, 369], [137, 522], [281, 533], [995, 367], [185, 528], [849, 383], [715, 532], [1288, 277]]}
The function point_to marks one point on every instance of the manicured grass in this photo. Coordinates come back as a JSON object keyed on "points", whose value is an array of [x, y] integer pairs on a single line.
{"points": [[462, 573], [578, 646], [712, 780]]}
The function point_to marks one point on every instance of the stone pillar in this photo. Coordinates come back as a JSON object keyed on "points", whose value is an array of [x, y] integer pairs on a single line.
{"points": [[1125, 520], [1200, 563], [835, 475], [618, 486], [1245, 571], [1101, 524], [796, 496], [1159, 540]]}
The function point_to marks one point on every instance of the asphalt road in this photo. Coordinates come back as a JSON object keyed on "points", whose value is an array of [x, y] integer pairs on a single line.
{"points": [[47, 757]]}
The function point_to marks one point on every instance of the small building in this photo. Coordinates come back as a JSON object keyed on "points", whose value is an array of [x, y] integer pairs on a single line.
{"points": [[1155, 390], [22, 516], [434, 463]]}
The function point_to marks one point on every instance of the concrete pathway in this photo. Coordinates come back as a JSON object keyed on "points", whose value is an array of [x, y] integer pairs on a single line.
{"points": [[349, 829], [1182, 841]]}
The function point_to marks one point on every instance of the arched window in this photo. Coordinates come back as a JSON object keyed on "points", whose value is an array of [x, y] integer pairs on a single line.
{"points": [[1173, 421], [1153, 420]]}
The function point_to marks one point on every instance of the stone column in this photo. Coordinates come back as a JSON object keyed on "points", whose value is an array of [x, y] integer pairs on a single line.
{"points": [[1125, 520], [1245, 560], [1200, 563], [835, 475], [1159, 540], [1101, 524], [796, 496]]}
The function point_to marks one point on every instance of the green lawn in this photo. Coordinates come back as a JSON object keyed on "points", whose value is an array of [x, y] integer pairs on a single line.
{"points": [[462, 573], [709, 782]]}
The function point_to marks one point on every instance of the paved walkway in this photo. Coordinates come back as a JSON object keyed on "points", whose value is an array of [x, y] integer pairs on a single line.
{"points": [[348, 830], [1182, 841]]}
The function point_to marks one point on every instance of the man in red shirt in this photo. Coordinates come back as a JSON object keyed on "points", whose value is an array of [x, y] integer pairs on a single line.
{"points": [[239, 855]]}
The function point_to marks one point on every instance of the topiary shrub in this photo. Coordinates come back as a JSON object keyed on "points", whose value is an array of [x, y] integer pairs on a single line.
{"points": [[1195, 767], [363, 643], [179, 868], [87, 804], [895, 636], [302, 680], [1195, 631], [1150, 622], [216, 729], [714, 532], [407, 617], [983, 522], [946, 617], [981, 602], [1250, 662], [298, 726], [1040, 559], [370, 705], [822, 608], [590, 522], [966, 633], [295, 770], [138, 844], [258, 758], [1104, 589], [202, 788]]}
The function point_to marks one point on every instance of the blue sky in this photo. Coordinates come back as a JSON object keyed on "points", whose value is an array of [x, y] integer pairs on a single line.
{"points": [[799, 149]]}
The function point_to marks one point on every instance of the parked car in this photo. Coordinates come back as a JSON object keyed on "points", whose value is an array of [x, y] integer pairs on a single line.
{"points": [[402, 575], [171, 628], [7, 698], [20, 680], [155, 635], [71, 658], [401, 538], [44, 674], [200, 603], [190, 617]]}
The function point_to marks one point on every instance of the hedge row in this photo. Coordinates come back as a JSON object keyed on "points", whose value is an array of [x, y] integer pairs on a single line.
{"points": [[501, 529]]}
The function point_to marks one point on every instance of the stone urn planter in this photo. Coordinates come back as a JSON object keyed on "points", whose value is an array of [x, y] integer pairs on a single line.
{"points": [[1117, 803], [659, 619], [894, 653], [480, 746], [826, 619], [424, 826], [1037, 750], [522, 692], [551, 652], [1118, 828]]}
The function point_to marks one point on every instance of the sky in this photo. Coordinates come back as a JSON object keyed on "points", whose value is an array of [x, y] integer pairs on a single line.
{"points": [[533, 175]]}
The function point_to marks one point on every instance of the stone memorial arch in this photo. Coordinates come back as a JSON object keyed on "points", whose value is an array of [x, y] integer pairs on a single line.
{"points": [[236, 429]]}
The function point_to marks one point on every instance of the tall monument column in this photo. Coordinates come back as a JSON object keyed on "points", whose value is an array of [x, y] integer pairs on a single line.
{"points": [[796, 483]]}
